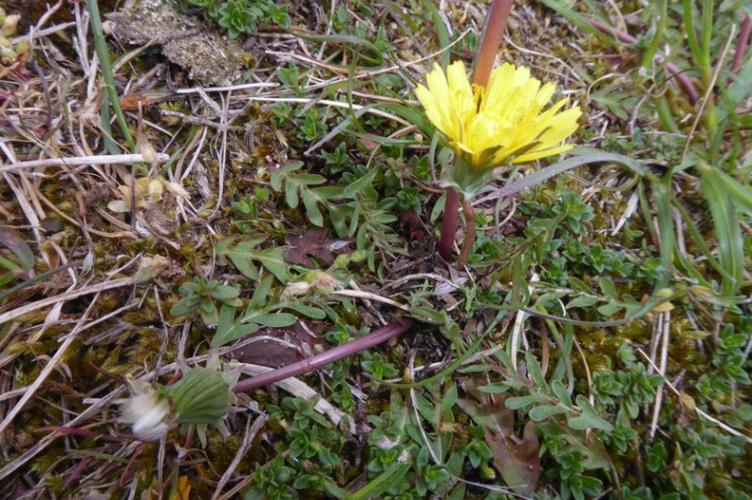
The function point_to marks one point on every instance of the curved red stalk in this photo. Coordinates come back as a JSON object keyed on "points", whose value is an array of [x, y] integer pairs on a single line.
{"points": [[313, 363]]}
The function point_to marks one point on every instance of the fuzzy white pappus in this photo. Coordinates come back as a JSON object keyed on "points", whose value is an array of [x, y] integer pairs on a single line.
{"points": [[147, 412]]}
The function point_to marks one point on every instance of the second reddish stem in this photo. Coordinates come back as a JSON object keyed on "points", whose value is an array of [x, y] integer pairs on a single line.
{"points": [[449, 222], [469, 241]]}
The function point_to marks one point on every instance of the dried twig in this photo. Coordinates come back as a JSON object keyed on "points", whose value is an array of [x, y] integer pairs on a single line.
{"points": [[700, 412], [370, 296], [43, 33], [665, 327]]}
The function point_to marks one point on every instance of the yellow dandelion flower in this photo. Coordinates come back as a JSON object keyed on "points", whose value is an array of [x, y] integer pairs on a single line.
{"points": [[504, 122]]}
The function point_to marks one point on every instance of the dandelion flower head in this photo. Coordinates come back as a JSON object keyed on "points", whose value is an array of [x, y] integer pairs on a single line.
{"points": [[504, 122]]}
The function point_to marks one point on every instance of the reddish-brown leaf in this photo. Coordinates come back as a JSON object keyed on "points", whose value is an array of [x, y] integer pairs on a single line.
{"points": [[131, 100], [411, 226], [517, 459]]}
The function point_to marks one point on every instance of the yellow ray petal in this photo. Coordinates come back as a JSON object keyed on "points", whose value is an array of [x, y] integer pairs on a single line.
{"points": [[439, 88], [432, 108]]}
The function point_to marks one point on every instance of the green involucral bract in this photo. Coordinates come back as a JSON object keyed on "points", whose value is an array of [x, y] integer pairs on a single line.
{"points": [[202, 396]]}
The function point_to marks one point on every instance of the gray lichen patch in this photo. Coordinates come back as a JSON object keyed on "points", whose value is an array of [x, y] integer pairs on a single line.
{"points": [[209, 58]]}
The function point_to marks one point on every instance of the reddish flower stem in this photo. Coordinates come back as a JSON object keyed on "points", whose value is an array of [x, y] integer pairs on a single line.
{"points": [[741, 44], [313, 363], [493, 32]]}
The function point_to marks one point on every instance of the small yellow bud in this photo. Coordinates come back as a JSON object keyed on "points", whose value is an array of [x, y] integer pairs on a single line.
{"points": [[22, 47], [687, 401], [146, 150], [664, 307], [155, 191], [175, 188]]}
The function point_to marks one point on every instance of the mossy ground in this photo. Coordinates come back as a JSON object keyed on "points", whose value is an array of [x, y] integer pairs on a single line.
{"points": [[622, 274]]}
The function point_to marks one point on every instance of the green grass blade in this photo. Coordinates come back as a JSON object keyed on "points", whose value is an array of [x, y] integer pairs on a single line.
{"points": [[564, 10], [411, 114], [706, 36], [689, 30], [378, 485], [666, 226], [590, 156], [441, 32], [647, 58], [699, 240], [106, 65], [727, 230], [104, 125]]}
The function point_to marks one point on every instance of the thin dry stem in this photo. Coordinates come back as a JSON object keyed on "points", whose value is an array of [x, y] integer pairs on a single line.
{"points": [[665, 323]]}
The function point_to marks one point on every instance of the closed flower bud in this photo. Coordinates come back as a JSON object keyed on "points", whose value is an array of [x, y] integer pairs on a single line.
{"points": [[314, 280], [296, 289], [323, 282], [202, 396]]}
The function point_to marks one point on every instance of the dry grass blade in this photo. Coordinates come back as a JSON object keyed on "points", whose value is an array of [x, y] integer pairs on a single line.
{"points": [[75, 161], [73, 294], [699, 411], [665, 322], [708, 91], [301, 390], [48, 368]]}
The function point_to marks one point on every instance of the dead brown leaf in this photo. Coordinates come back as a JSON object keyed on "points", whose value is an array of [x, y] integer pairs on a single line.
{"points": [[303, 248], [517, 459], [279, 347]]}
